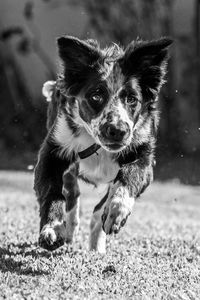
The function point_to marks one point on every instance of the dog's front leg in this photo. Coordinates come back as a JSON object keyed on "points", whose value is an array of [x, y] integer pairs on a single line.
{"points": [[117, 209], [109, 216], [131, 181], [48, 186]]}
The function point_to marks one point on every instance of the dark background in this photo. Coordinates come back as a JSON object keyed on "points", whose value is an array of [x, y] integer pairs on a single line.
{"points": [[28, 31]]}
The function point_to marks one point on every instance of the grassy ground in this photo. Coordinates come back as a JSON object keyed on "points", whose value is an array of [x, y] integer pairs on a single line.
{"points": [[157, 255]]}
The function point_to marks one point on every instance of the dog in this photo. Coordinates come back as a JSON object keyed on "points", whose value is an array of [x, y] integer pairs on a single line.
{"points": [[102, 123]]}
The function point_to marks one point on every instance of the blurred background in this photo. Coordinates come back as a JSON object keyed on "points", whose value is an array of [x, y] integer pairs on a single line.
{"points": [[28, 57]]}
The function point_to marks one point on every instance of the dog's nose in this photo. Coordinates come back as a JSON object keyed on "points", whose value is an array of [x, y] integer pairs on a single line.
{"points": [[116, 134]]}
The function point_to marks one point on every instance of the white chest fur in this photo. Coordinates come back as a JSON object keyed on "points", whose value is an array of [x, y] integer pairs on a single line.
{"points": [[96, 168], [99, 168]]}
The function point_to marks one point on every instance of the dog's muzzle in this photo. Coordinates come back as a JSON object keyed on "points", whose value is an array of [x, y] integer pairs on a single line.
{"points": [[115, 136]]}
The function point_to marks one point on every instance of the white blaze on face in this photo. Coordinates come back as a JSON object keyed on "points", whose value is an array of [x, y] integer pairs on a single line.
{"points": [[124, 117]]}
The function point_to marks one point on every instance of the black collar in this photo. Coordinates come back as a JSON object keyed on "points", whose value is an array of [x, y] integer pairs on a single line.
{"points": [[89, 151], [122, 160], [128, 159]]}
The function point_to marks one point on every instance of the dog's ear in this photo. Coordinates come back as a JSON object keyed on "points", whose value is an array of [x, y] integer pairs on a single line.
{"points": [[147, 62], [77, 54]]}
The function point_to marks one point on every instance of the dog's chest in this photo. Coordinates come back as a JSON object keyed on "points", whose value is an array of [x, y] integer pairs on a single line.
{"points": [[99, 168]]}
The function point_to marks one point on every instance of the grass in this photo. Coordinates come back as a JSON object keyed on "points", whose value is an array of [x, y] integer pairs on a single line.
{"points": [[156, 255]]}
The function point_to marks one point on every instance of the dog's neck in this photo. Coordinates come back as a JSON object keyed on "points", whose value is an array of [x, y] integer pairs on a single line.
{"points": [[80, 142], [93, 147], [89, 151]]}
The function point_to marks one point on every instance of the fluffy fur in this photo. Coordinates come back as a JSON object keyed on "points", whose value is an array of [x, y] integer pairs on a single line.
{"points": [[108, 97]]}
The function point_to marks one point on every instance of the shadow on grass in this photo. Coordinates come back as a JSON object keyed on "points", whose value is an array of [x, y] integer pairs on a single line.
{"points": [[8, 262], [12, 266]]}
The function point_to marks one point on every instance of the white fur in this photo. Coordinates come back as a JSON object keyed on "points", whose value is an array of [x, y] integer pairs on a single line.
{"points": [[97, 235], [119, 194], [99, 168], [66, 139], [47, 89], [53, 230], [118, 207], [49, 231], [124, 116]]}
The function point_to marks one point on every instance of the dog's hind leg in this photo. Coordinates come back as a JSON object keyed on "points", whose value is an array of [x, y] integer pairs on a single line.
{"points": [[71, 192], [97, 235]]}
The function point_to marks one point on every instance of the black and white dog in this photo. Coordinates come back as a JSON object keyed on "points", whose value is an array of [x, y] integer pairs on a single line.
{"points": [[102, 122]]}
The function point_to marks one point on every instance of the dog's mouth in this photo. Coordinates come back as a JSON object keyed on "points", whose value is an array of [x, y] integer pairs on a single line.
{"points": [[113, 146]]}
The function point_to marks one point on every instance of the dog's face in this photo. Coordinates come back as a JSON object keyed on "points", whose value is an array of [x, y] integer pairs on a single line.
{"points": [[115, 90]]}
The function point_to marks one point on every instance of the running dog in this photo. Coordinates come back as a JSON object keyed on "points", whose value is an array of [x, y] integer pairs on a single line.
{"points": [[102, 122]]}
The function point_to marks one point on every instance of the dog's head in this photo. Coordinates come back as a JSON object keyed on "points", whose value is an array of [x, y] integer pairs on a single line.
{"points": [[115, 89]]}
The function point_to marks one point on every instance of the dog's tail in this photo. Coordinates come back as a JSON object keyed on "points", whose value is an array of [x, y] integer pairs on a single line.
{"points": [[48, 89], [50, 92]]}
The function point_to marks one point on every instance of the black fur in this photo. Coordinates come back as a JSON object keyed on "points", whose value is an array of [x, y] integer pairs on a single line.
{"points": [[137, 169], [147, 61], [48, 182]]}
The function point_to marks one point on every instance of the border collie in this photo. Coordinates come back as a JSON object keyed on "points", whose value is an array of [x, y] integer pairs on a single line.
{"points": [[102, 123]]}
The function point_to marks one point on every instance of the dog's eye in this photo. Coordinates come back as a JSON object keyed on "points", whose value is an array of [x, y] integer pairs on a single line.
{"points": [[96, 98], [130, 98]]}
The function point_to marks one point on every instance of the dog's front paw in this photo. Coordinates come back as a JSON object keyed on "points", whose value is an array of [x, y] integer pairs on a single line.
{"points": [[115, 216], [52, 237]]}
